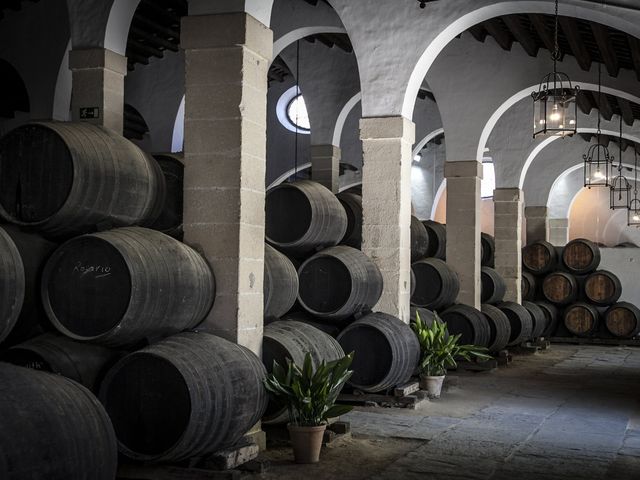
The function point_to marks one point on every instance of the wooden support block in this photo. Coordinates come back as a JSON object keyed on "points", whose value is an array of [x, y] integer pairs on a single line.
{"points": [[484, 366], [162, 472], [231, 458], [328, 436], [255, 466], [341, 428], [406, 389]]}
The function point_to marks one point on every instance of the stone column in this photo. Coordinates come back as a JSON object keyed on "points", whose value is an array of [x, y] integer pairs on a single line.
{"points": [[508, 236], [463, 227], [98, 87], [559, 231], [537, 219], [386, 205], [226, 62], [325, 166]]}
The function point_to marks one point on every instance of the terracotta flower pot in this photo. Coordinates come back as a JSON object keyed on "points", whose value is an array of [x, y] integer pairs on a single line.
{"points": [[306, 442], [432, 384]]}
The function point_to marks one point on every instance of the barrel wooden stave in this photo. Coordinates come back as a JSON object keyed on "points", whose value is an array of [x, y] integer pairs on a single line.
{"points": [[437, 233], [602, 288], [560, 288], [528, 284], [469, 323], [493, 286], [581, 256], [52, 428], [499, 327], [488, 250], [352, 204], [170, 219], [339, 282], [303, 216], [119, 287], [184, 397], [12, 284], [437, 285], [623, 320], [520, 321], [386, 351], [280, 283], [538, 318], [419, 239], [581, 319], [539, 257], [552, 315], [67, 178]]}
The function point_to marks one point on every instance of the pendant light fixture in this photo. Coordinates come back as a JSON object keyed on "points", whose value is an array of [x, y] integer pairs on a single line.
{"points": [[597, 160], [620, 186], [555, 110], [633, 214]]}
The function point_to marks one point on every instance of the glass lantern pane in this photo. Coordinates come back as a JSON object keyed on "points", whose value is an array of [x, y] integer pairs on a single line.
{"points": [[596, 174]]}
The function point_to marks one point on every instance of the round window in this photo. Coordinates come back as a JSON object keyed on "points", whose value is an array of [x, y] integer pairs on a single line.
{"points": [[297, 113]]}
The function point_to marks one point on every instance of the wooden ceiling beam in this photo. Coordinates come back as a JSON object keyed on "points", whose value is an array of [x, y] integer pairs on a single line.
{"points": [[603, 105], [522, 35], [153, 39], [626, 110], [144, 49], [156, 27], [500, 35], [570, 28], [634, 47], [542, 31], [584, 101], [478, 32], [601, 34]]}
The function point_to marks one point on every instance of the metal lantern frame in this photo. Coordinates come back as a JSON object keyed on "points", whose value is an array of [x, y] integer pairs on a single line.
{"points": [[633, 212], [598, 160], [555, 109], [620, 192]]}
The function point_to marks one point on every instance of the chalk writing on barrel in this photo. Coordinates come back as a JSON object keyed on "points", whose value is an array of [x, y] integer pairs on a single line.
{"points": [[100, 271]]}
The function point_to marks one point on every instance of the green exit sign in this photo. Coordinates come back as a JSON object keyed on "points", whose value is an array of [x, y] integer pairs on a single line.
{"points": [[87, 113]]}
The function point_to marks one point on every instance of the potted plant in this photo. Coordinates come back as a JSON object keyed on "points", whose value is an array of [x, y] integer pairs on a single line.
{"points": [[310, 398], [438, 351]]}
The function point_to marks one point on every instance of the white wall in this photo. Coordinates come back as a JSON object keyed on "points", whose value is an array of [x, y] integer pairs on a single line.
{"points": [[625, 263]]}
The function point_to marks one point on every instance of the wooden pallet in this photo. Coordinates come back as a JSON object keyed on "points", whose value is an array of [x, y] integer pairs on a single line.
{"points": [[503, 357], [635, 342], [402, 396]]}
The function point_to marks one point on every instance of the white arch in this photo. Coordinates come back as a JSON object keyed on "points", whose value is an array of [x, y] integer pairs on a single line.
{"points": [[349, 185], [287, 174], [342, 117], [117, 32], [177, 138], [62, 94], [294, 35], [430, 136], [436, 199], [499, 9], [522, 94]]}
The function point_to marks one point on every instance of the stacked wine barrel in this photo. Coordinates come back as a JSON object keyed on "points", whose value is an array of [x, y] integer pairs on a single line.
{"points": [[320, 289], [96, 287], [577, 298]]}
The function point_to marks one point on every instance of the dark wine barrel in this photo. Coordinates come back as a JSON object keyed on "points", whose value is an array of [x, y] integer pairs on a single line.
{"points": [[122, 286], [539, 257], [520, 321], [386, 351], [626, 245], [68, 178], [303, 216], [293, 340], [50, 352], [352, 204], [22, 258], [437, 233], [560, 288], [551, 313], [183, 397], [12, 284], [581, 319], [338, 282], [437, 286], [52, 428], [493, 286], [412, 283], [602, 288], [581, 256], [170, 220], [499, 327], [304, 317], [528, 286], [488, 250], [280, 283], [623, 320], [419, 239], [538, 318], [469, 323], [426, 316]]}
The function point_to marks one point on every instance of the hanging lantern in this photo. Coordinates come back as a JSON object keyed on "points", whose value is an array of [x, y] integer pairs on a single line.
{"points": [[597, 162], [633, 213], [620, 193], [555, 110]]}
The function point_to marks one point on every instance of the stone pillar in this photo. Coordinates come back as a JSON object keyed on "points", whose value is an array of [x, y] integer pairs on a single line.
{"points": [[226, 63], [98, 87], [463, 227], [325, 166], [537, 219], [508, 236], [386, 205], [559, 231]]}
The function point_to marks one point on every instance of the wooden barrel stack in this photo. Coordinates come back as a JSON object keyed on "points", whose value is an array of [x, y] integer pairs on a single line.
{"points": [[577, 299], [92, 250]]}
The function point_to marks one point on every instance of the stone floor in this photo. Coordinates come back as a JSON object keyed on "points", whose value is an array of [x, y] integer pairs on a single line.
{"points": [[569, 413]]}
